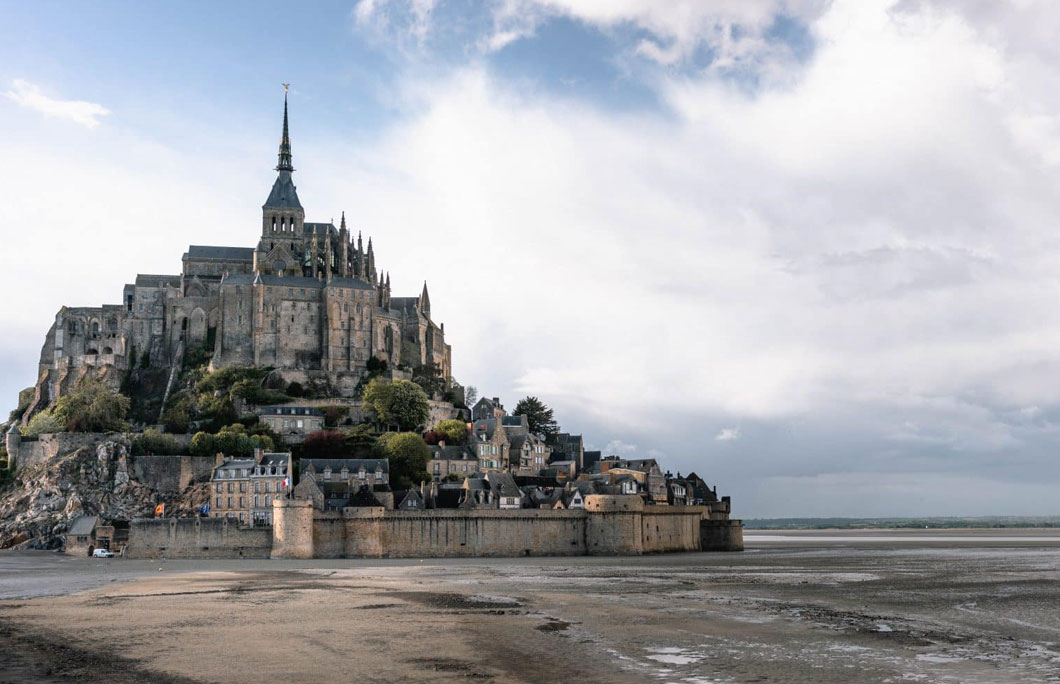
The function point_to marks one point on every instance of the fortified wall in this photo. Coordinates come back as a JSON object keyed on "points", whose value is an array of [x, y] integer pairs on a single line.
{"points": [[607, 526]]}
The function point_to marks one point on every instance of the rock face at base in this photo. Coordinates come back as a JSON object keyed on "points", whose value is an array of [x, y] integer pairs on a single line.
{"points": [[91, 479]]}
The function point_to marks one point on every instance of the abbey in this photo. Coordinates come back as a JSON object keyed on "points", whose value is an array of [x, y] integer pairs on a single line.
{"points": [[308, 299]]}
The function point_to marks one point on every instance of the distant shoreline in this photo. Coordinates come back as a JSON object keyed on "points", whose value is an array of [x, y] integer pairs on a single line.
{"points": [[894, 524]]}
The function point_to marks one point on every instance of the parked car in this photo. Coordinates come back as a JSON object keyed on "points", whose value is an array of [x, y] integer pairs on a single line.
{"points": [[103, 553]]}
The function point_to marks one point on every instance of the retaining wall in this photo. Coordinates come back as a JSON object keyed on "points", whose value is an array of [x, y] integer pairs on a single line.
{"points": [[197, 538]]}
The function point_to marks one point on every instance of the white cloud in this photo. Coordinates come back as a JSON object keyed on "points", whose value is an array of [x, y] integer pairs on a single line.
{"points": [[728, 434], [616, 447], [81, 112], [735, 30]]}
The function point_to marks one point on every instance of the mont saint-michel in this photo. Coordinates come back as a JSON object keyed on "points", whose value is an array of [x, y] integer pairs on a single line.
{"points": [[278, 401], [308, 300]]}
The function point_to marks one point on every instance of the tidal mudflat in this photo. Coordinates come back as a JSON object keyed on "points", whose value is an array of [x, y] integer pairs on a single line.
{"points": [[879, 606]]}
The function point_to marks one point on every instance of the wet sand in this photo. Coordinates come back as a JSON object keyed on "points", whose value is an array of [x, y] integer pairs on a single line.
{"points": [[874, 606]]}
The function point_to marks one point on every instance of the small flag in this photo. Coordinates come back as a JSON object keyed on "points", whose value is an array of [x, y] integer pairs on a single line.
{"points": [[204, 509], [160, 510], [286, 482]]}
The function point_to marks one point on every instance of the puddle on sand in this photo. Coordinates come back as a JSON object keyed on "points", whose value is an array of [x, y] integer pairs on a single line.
{"points": [[672, 655]]}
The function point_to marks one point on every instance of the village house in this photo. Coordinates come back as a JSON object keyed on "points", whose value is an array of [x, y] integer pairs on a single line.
{"points": [[487, 408], [452, 462], [292, 422], [352, 471], [243, 488]]}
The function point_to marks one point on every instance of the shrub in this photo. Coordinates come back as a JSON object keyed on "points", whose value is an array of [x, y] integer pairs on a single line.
{"points": [[255, 394], [92, 407], [231, 440], [325, 444], [155, 442], [334, 414], [362, 441], [41, 424], [176, 419], [408, 455], [400, 403], [455, 431]]}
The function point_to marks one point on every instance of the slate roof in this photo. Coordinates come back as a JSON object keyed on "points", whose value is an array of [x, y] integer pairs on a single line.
{"points": [[364, 498], [351, 283], [83, 525], [222, 253], [503, 484], [351, 464], [321, 228], [283, 195], [404, 302], [288, 411], [152, 280], [453, 453]]}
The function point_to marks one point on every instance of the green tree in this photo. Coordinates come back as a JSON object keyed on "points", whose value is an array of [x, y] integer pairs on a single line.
{"points": [[455, 431], [362, 441], [401, 403], [538, 416], [92, 407], [408, 455], [43, 423]]}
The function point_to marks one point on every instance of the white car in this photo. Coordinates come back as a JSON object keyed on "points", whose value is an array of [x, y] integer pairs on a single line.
{"points": [[102, 553]]}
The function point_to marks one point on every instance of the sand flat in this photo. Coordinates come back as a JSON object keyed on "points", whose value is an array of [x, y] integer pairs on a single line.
{"points": [[794, 609]]}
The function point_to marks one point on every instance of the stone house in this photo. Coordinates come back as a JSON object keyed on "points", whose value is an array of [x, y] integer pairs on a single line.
{"points": [[293, 422], [676, 492], [487, 408], [528, 453], [646, 471], [88, 533], [355, 472], [244, 488], [458, 461]]}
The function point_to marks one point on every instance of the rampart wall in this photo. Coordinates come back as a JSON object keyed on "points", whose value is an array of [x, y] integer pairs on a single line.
{"points": [[197, 538]]}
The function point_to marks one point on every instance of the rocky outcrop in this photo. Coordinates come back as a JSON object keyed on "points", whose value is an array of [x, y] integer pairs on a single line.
{"points": [[89, 480]]}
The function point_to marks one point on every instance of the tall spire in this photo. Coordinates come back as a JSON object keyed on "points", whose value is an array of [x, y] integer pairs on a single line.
{"points": [[284, 163], [284, 195]]}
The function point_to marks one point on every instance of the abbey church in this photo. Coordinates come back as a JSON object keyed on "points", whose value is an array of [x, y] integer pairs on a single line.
{"points": [[308, 300]]}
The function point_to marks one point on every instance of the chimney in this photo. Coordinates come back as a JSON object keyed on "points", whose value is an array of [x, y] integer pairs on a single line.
{"points": [[218, 460]]}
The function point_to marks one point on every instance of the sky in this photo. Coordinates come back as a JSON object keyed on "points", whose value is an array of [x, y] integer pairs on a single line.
{"points": [[807, 249]]}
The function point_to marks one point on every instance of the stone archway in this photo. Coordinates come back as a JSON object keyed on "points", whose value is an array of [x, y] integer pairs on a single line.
{"points": [[196, 327]]}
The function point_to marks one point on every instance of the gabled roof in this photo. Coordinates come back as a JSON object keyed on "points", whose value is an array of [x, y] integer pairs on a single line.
{"points": [[503, 484], [83, 525]]}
